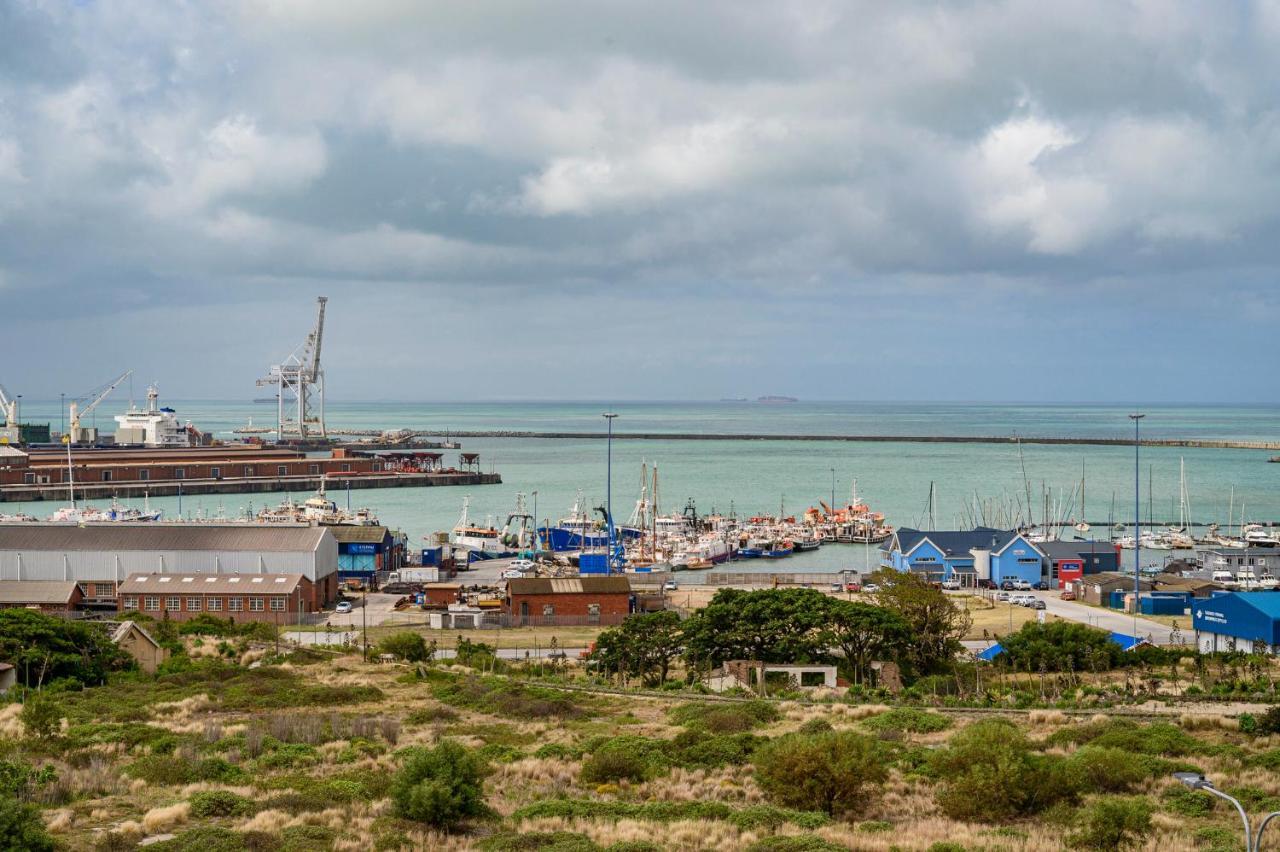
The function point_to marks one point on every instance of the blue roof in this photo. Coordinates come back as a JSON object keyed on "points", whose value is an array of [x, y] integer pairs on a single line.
{"points": [[1126, 641], [952, 542], [1268, 603], [991, 653]]}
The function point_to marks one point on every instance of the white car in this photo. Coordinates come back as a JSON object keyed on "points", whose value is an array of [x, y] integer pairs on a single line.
{"points": [[343, 606], [671, 585], [513, 574], [951, 585], [871, 588], [522, 565], [1021, 586]]}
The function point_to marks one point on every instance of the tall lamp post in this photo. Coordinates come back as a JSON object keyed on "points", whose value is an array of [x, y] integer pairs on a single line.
{"points": [[1137, 520], [1252, 842], [833, 489], [608, 492]]}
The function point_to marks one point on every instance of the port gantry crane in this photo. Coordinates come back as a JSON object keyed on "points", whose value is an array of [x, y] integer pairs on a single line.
{"points": [[89, 435], [296, 379], [11, 432]]}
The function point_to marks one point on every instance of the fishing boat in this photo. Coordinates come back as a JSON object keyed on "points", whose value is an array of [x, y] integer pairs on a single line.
{"points": [[317, 509], [479, 542], [115, 513], [1256, 535]]}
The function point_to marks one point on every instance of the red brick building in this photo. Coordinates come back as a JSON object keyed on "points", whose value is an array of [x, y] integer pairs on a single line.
{"points": [[441, 594], [44, 595], [276, 598], [567, 601]]}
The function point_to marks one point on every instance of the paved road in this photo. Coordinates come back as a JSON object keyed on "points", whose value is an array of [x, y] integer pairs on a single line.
{"points": [[1107, 619]]}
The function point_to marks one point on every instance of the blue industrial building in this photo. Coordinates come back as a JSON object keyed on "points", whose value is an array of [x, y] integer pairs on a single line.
{"points": [[966, 556], [363, 551], [1237, 621]]}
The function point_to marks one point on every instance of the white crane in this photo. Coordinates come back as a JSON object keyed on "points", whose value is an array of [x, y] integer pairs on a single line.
{"points": [[11, 432], [88, 436], [296, 379]]}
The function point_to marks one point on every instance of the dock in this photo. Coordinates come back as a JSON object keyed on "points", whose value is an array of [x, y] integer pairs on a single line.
{"points": [[28, 493], [1191, 443]]}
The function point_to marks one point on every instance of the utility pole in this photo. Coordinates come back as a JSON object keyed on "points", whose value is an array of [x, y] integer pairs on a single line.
{"points": [[1137, 519], [608, 500]]}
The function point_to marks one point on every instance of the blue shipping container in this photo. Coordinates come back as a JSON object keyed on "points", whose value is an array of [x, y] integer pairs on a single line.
{"points": [[593, 563], [431, 556], [1172, 605], [1117, 598]]}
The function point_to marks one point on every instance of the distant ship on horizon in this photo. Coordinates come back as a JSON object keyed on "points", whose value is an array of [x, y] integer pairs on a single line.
{"points": [[777, 399]]}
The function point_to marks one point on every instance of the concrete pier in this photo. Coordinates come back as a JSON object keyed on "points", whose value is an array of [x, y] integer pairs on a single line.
{"points": [[237, 485]]}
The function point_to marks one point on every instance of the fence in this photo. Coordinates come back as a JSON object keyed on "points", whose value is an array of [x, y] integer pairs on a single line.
{"points": [[751, 578]]}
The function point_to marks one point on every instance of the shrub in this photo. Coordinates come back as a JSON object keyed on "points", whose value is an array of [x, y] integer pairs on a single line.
{"points": [[20, 781], [539, 841], [41, 716], [821, 772], [875, 826], [1108, 770], [946, 846], [507, 698], [306, 838], [795, 843], [1113, 822], [441, 787], [697, 748], [1215, 838], [220, 803], [1180, 800], [989, 774], [747, 819], [426, 715], [205, 838], [22, 829], [406, 645], [1160, 738], [816, 725], [623, 759], [172, 770], [725, 718], [1268, 723], [908, 720]]}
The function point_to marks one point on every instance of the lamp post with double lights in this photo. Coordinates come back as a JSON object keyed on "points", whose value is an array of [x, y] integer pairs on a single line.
{"points": [[1252, 841]]}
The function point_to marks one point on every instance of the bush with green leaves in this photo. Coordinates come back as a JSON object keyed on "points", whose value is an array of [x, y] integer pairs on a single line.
{"points": [[725, 718], [1160, 738], [795, 843], [539, 841], [751, 818], [827, 772], [41, 715], [1112, 822], [220, 803], [22, 829], [441, 787], [626, 758], [908, 720], [407, 645], [1268, 723], [988, 772], [510, 699], [1103, 769], [44, 649], [20, 780], [173, 770]]}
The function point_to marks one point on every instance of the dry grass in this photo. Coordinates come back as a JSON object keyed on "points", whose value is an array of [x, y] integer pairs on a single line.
{"points": [[1048, 718], [159, 819]]}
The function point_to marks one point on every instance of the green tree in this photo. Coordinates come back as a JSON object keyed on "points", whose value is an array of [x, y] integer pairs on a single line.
{"points": [[41, 716], [864, 633], [990, 773], [1060, 646], [769, 625], [43, 649], [1113, 822], [937, 625], [407, 645], [22, 829], [642, 646], [828, 772], [441, 787]]}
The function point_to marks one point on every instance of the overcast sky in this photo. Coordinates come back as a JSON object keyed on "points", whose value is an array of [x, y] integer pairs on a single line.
{"points": [[990, 201]]}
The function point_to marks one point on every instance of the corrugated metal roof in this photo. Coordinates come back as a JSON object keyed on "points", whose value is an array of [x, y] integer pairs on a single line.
{"points": [[349, 534], [161, 536], [36, 591], [209, 584], [569, 586]]}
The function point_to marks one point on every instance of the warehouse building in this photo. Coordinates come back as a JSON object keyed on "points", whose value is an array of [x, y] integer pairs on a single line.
{"points": [[363, 551], [969, 557], [1066, 561], [98, 557], [1237, 621], [44, 595], [567, 601], [278, 598], [1096, 589]]}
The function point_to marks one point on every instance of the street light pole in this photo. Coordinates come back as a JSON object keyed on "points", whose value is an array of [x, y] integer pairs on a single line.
{"points": [[1252, 842], [1137, 520], [833, 489], [608, 494]]}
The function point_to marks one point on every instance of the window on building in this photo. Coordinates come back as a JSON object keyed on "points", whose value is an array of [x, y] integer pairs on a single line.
{"points": [[152, 604], [173, 604], [144, 475], [346, 468], [215, 604], [215, 472], [106, 476], [313, 468], [29, 478], [104, 590], [282, 470], [248, 470], [130, 603], [377, 465], [255, 604], [548, 610], [277, 604], [194, 605], [235, 604], [179, 473], [593, 612]]}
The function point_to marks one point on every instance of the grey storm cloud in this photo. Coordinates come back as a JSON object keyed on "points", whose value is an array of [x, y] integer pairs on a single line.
{"points": [[824, 169]]}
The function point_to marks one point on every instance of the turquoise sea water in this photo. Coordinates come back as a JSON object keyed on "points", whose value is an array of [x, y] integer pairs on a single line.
{"points": [[759, 476]]}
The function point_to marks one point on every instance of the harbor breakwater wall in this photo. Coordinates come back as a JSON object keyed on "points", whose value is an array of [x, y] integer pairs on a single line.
{"points": [[882, 439], [233, 485]]}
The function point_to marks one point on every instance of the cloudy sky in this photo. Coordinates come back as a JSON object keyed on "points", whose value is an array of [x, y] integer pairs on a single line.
{"points": [[648, 200]]}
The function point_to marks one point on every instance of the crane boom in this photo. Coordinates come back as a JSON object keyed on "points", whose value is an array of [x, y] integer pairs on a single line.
{"points": [[77, 434], [317, 336], [9, 409]]}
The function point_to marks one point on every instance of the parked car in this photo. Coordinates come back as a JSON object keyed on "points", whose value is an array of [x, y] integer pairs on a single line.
{"points": [[1068, 595], [671, 586], [986, 584], [1021, 585], [343, 606], [1002, 596], [1007, 585], [853, 587], [512, 574], [951, 585], [522, 565], [1042, 586], [871, 588], [1039, 604]]}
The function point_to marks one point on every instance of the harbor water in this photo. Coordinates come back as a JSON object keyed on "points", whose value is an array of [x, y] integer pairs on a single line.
{"points": [[763, 476]]}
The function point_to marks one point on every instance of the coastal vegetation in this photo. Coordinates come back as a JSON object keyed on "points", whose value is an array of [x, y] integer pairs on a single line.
{"points": [[259, 750]]}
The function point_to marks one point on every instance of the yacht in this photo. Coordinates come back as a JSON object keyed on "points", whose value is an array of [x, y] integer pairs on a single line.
{"points": [[1256, 535]]}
